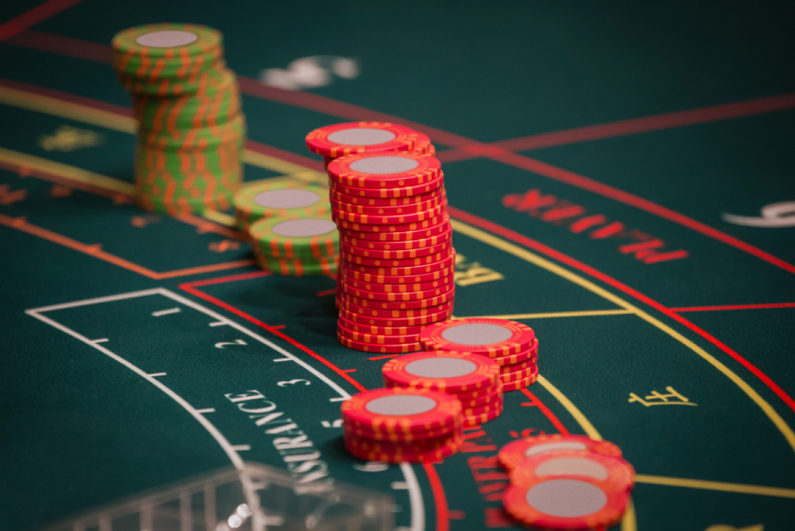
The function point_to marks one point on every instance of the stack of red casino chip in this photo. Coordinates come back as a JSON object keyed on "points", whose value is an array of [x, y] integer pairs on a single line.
{"points": [[402, 425], [340, 140], [513, 346], [566, 482], [396, 256], [474, 380]]}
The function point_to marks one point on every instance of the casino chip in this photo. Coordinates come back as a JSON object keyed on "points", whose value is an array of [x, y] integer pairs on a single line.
{"points": [[569, 489], [396, 253], [299, 246], [457, 374], [402, 425], [285, 199], [513, 346], [187, 105], [339, 140], [513, 453]]}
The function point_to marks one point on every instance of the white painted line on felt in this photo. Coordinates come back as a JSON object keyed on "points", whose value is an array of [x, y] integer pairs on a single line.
{"points": [[166, 312], [284, 359], [242, 447], [399, 485], [156, 374], [415, 498], [217, 323], [103, 340], [98, 300], [206, 410]]}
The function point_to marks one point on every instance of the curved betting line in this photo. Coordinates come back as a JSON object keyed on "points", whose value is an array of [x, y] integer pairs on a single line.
{"points": [[533, 258]]}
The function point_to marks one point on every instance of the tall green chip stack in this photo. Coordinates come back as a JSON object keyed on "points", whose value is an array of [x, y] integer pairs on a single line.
{"points": [[190, 127]]}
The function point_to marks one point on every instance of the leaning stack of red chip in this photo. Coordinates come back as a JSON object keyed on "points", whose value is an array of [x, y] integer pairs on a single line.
{"points": [[566, 482], [473, 379], [339, 140], [396, 252], [402, 425], [513, 346]]}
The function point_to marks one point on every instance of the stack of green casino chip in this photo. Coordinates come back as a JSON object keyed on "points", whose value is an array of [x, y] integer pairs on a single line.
{"points": [[296, 246], [190, 127]]}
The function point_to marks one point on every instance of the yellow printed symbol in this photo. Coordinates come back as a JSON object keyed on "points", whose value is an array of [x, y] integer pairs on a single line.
{"points": [[673, 398], [224, 245], [8, 196], [724, 527], [68, 138], [467, 274]]}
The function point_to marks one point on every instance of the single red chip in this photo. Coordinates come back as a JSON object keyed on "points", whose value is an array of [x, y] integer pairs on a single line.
{"points": [[380, 349], [397, 220], [479, 393], [441, 265], [482, 418], [399, 169], [517, 451], [390, 193], [389, 228], [402, 210], [441, 371], [530, 363], [445, 282], [483, 401], [407, 456], [397, 305], [376, 339], [515, 385], [388, 236], [388, 254], [399, 436], [399, 320], [389, 202], [489, 337], [429, 444], [401, 410], [355, 259], [521, 374], [383, 330], [405, 245], [338, 140]]}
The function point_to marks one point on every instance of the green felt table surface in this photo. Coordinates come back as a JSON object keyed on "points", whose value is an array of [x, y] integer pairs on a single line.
{"points": [[606, 166]]}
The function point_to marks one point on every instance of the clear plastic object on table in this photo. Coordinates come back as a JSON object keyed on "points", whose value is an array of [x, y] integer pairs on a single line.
{"points": [[255, 498]]}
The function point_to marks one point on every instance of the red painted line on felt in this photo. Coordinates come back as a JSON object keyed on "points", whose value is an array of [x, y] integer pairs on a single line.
{"points": [[546, 411], [65, 96], [232, 278], [439, 497], [33, 16], [579, 181], [306, 100], [279, 327], [571, 262], [735, 307], [286, 156], [456, 515], [188, 287], [326, 292]]}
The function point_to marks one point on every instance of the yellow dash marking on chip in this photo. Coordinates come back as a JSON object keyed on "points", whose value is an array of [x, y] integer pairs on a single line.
{"points": [[715, 485]]}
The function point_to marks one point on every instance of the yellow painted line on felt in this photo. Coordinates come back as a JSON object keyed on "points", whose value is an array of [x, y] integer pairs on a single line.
{"points": [[533, 258], [573, 410], [126, 124], [67, 172], [585, 313], [219, 217], [715, 485], [66, 109]]}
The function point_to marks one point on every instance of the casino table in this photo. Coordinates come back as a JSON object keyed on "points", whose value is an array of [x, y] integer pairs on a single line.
{"points": [[619, 178]]}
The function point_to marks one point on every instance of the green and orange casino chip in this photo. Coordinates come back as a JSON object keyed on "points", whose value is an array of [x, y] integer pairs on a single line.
{"points": [[569, 490], [309, 237], [402, 411], [177, 43], [485, 336], [333, 141], [441, 371], [514, 453], [281, 199]]}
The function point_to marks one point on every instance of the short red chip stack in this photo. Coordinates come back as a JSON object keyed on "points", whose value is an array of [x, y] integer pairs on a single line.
{"points": [[402, 425], [472, 379], [511, 345], [566, 482]]}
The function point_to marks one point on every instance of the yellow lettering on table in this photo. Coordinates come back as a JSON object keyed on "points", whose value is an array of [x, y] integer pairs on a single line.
{"points": [[724, 527], [673, 398], [468, 274], [68, 138]]}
